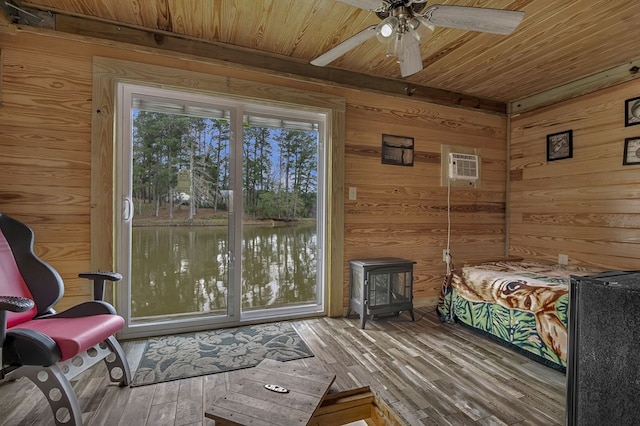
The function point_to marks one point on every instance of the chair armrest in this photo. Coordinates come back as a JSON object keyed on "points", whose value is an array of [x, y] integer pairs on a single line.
{"points": [[98, 281], [109, 276], [15, 303]]}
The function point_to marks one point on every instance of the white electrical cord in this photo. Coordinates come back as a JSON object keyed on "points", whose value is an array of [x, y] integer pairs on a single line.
{"points": [[448, 226]]}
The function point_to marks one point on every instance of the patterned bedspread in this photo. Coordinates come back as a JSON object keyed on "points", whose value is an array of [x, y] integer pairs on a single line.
{"points": [[523, 304]]}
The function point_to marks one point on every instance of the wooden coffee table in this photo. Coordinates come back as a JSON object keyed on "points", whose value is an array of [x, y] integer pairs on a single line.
{"points": [[248, 402]]}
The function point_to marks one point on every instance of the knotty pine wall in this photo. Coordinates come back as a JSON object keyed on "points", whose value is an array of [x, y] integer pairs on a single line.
{"points": [[588, 206], [402, 211], [45, 162]]}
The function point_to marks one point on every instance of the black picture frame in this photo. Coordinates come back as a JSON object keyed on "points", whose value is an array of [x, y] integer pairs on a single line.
{"points": [[397, 150], [560, 145], [631, 154], [632, 112]]}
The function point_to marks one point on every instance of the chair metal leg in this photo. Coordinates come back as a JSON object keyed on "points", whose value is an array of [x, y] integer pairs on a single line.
{"points": [[58, 392], [119, 371], [54, 381]]}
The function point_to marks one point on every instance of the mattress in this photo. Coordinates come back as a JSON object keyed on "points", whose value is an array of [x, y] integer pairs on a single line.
{"points": [[521, 304]]}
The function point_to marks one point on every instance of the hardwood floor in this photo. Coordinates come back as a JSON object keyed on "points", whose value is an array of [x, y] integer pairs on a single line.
{"points": [[428, 373]]}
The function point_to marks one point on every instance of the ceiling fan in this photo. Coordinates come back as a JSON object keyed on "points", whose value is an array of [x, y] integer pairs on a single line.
{"points": [[402, 18]]}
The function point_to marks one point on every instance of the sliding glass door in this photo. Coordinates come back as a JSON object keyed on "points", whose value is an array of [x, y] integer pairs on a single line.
{"points": [[220, 211], [283, 225]]}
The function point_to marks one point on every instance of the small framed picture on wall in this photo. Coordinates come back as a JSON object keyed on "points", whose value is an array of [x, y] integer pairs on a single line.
{"points": [[397, 150], [560, 145], [632, 112], [631, 151]]}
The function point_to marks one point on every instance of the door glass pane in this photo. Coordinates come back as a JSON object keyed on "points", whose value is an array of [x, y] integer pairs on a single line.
{"points": [[280, 237], [180, 243], [401, 287], [379, 288]]}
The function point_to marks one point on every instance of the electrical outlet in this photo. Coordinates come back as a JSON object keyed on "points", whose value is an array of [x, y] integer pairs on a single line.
{"points": [[446, 256], [353, 193], [563, 259]]}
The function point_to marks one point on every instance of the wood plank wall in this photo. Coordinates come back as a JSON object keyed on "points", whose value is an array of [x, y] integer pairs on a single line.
{"points": [[402, 211], [45, 174], [45, 135], [588, 206]]}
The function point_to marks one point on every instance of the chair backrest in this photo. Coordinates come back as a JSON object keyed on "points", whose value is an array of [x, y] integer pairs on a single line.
{"points": [[24, 274]]}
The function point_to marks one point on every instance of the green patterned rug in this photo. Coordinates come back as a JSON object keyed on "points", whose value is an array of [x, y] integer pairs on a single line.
{"points": [[196, 354]]}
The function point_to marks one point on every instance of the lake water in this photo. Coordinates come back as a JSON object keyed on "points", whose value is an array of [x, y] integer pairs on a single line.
{"points": [[184, 270]]}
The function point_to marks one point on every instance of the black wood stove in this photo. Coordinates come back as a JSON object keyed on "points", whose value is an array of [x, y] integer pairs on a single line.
{"points": [[380, 287]]}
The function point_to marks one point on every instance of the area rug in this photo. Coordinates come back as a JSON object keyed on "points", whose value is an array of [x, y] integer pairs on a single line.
{"points": [[196, 354]]}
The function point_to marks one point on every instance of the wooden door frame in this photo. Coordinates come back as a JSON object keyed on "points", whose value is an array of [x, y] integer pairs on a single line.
{"points": [[107, 73]]}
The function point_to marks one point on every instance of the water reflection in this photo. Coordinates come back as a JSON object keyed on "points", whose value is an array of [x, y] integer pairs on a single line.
{"points": [[184, 270]]}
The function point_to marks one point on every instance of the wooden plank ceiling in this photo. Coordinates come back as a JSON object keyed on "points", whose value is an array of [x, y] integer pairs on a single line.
{"points": [[558, 42]]}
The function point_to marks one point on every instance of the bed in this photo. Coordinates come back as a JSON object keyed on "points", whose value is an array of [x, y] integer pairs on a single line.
{"points": [[521, 304]]}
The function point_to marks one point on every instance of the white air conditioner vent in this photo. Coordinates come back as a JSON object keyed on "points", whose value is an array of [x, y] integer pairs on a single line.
{"points": [[463, 166]]}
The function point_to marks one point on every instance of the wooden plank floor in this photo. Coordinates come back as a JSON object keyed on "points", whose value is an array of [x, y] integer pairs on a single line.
{"points": [[428, 373]]}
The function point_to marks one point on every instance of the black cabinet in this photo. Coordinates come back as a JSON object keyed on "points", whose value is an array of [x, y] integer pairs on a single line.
{"points": [[380, 286], [603, 365]]}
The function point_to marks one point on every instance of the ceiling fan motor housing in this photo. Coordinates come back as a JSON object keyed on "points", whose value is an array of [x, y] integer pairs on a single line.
{"points": [[409, 7]]}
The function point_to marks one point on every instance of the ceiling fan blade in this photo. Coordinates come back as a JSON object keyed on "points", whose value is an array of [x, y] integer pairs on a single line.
{"points": [[372, 5], [410, 58], [486, 20], [425, 22], [342, 48]]}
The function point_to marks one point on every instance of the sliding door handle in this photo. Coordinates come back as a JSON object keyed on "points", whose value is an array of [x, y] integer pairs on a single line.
{"points": [[127, 209]]}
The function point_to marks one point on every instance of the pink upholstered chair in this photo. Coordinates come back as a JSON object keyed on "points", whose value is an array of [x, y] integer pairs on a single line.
{"points": [[52, 348]]}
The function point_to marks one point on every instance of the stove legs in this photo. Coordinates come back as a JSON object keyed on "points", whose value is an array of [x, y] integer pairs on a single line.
{"points": [[363, 316]]}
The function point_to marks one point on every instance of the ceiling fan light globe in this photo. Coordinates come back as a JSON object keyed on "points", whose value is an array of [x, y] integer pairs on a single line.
{"points": [[386, 31], [387, 28], [391, 49], [399, 48], [414, 33]]}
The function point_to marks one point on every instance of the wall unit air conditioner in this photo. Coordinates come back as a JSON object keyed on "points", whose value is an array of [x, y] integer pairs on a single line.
{"points": [[463, 166]]}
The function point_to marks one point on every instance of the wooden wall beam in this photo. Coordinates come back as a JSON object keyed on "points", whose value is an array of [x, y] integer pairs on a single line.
{"points": [[264, 62], [4, 17], [6, 25], [1, 68], [607, 78]]}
